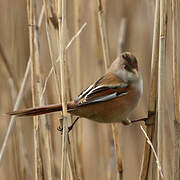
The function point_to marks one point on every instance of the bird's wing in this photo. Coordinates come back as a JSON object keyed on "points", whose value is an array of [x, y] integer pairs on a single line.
{"points": [[106, 88]]}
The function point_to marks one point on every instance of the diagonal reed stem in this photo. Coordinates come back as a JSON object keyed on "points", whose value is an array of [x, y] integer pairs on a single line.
{"points": [[19, 96]]}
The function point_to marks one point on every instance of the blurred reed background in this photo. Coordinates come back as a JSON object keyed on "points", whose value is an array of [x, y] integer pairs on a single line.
{"points": [[36, 153]]}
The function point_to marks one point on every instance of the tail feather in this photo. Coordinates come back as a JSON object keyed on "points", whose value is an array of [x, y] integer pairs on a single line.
{"points": [[37, 110]]}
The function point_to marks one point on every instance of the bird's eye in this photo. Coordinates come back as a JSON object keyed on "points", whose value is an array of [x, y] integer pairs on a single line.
{"points": [[127, 68]]}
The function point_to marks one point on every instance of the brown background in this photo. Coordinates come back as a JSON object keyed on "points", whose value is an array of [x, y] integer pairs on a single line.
{"points": [[17, 162]]}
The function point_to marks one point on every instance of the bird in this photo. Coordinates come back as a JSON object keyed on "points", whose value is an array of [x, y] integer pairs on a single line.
{"points": [[111, 99]]}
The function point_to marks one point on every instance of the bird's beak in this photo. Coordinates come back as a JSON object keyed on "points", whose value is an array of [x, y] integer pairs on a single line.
{"points": [[134, 71]]}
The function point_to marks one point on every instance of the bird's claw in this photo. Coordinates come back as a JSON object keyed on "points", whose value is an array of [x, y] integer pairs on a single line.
{"points": [[69, 128], [145, 121], [61, 129], [150, 114], [148, 123]]}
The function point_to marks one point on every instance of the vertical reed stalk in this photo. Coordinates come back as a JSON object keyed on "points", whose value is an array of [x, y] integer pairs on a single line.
{"points": [[35, 81], [63, 64], [75, 157], [104, 40], [161, 79], [71, 162], [44, 131], [37, 161], [79, 87], [153, 95], [52, 38], [175, 62], [19, 96], [52, 50], [115, 129], [122, 35], [176, 88], [70, 146], [78, 60]]}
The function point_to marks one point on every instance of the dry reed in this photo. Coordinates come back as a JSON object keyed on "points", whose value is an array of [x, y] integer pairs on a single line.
{"points": [[79, 131], [153, 94], [35, 79], [105, 48], [176, 87], [63, 65], [76, 158], [161, 79]]}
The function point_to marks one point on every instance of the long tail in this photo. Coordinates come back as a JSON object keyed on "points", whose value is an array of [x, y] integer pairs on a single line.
{"points": [[37, 110]]}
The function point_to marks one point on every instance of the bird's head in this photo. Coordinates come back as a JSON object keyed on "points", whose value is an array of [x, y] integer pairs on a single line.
{"points": [[126, 67]]}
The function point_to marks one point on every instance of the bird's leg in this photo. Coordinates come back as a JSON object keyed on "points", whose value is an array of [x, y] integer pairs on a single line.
{"points": [[150, 114], [70, 127], [138, 120]]}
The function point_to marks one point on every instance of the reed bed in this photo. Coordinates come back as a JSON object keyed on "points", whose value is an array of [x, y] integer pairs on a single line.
{"points": [[66, 46]]}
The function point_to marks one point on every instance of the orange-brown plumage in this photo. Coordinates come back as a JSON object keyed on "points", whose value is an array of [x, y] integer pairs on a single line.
{"points": [[110, 99]]}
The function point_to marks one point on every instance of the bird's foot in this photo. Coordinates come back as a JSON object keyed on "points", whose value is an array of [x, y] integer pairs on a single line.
{"points": [[150, 114], [144, 120], [69, 128]]}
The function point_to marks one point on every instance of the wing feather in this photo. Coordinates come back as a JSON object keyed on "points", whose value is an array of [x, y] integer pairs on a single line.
{"points": [[106, 88], [102, 98]]}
